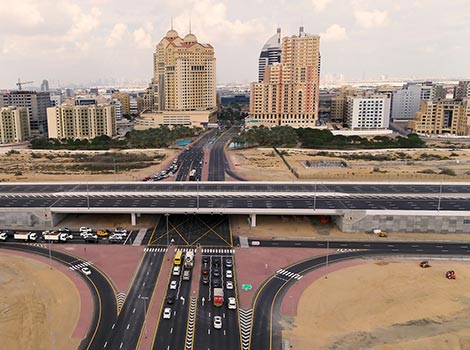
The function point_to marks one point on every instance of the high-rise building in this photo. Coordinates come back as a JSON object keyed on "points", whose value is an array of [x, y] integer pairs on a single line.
{"points": [[406, 101], [81, 121], [35, 102], [45, 85], [339, 103], [437, 117], [14, 125], [368, 113], [183, 89], [289, 92], [117, 108], [270, 54], [462, 90]]}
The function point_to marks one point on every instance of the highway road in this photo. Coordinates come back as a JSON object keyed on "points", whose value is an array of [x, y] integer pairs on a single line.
{"points": [[218, 162], [193, 158], [125, 332], [101, 289], [247, 203], [127, 188], [266, 329], [206, 336]]}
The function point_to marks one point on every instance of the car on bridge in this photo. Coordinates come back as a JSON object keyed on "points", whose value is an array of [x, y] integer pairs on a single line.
{"points": [[232, 304], [217, 322], [229, 285], [167, 313], [173, 284]]}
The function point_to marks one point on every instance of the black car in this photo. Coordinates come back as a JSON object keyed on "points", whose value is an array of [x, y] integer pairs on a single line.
{"points": [[65, 230], [216, 262], [205, 269], [205, 279], [205, 259], [215, 272], [216, 283], [170, 299]]}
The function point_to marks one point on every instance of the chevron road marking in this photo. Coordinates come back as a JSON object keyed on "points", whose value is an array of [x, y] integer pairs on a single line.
{"points": [[155, 250], [190, 329], [347, 250], [245, 325], [121, 298], [80, 266]]}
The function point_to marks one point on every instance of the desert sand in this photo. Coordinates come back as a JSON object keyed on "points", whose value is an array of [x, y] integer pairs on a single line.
{"points": [[39, 306], [263, 164], [385, 304]]}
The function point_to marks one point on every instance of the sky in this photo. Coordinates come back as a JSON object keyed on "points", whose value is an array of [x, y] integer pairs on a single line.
{"points": [[82, 41]]}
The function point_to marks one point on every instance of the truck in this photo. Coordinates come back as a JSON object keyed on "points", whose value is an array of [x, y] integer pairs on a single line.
{"points": [[218, 296], [25, 236], [56, 236], [189, 259]]}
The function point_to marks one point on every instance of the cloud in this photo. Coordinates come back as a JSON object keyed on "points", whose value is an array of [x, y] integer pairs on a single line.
{"points": [[24, 14], [142, 39], [82, 23], [320, 5], [116, 35], [334, 33], [371, 18]]}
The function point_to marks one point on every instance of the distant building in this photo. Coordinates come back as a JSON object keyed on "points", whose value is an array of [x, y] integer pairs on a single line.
{"points": [[289, 93], [81, 121], [368, 113], [125, 101], [117, 108], [339, 104], [14, 125], [462, 90], [56, 98], [94, 91], [439, 117], [69, 93], [45, 85], [270, 54], [183, 89], [241, 99], [35, 102]]}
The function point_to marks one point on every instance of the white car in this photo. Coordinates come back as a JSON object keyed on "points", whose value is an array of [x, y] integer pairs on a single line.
{"points": [[167, 313], [173, 284], [228, 274], [217, 322], [176, 270], [120, 231], [232, 304], [229, 285], [86, 271], [84, 229]]}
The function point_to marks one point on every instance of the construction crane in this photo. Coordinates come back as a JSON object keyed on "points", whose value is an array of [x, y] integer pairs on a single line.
{"points": [[20, 84]]}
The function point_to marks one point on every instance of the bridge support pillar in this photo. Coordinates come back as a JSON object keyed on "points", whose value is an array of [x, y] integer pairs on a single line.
{"points": [[253, 220], [133, 219]]}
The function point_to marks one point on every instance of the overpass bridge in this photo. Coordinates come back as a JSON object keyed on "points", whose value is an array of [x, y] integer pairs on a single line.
{"points": [[405, 207]]}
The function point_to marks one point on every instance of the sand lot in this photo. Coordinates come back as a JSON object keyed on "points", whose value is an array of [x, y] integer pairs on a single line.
{"points": [[260, 164], [39, 306], [384, 305]]}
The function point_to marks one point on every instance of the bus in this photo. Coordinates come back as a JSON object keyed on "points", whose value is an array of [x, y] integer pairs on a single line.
{"points": [[178, 257], [192, 175]]}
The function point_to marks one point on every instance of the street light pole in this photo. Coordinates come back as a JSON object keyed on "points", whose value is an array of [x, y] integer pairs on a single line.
{"points": [[167, 232]]}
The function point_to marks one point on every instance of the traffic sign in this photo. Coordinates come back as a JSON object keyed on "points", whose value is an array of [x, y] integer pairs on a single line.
{"points": [[247, 287]]}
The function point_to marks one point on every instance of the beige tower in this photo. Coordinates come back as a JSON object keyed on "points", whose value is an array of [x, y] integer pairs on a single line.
{"points": [[289, 93], [183, 89]]}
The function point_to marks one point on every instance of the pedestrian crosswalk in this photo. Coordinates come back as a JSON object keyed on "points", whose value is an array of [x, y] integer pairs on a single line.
{"points": [[245, 327], [121, 298], [347, 250], [155, 249], [80, 265], [41, 245], [288, 274], [217, 251], [185, 250]]}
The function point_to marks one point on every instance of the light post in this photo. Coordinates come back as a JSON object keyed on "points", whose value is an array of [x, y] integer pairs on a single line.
{"points": [[167, 232]]}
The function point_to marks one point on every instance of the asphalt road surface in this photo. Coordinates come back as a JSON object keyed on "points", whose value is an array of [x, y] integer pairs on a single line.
{"points": [[186, 203], [125, 332], [218, 162], [266, 329], [103, 294], [126, 188]]}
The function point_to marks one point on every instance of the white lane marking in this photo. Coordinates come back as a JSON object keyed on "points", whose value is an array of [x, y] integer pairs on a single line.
{"points": [[128, 326], [114, 324], [171, 330], [105, 344], [120, 347]]}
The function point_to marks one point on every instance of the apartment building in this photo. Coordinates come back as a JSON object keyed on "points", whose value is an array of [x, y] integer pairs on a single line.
{"points": [[35, 102], [14, 125], [368, 113], [439, 117], [289, 92], [81, 121]]}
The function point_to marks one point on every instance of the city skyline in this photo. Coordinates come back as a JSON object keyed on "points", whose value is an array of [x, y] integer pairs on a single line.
{"points": [[77, 42]]}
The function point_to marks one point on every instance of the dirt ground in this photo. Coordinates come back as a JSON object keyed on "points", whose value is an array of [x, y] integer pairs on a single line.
{"points": [[259, 164], [304, 227], [26, 165], [384, 305], [39, 306]]}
